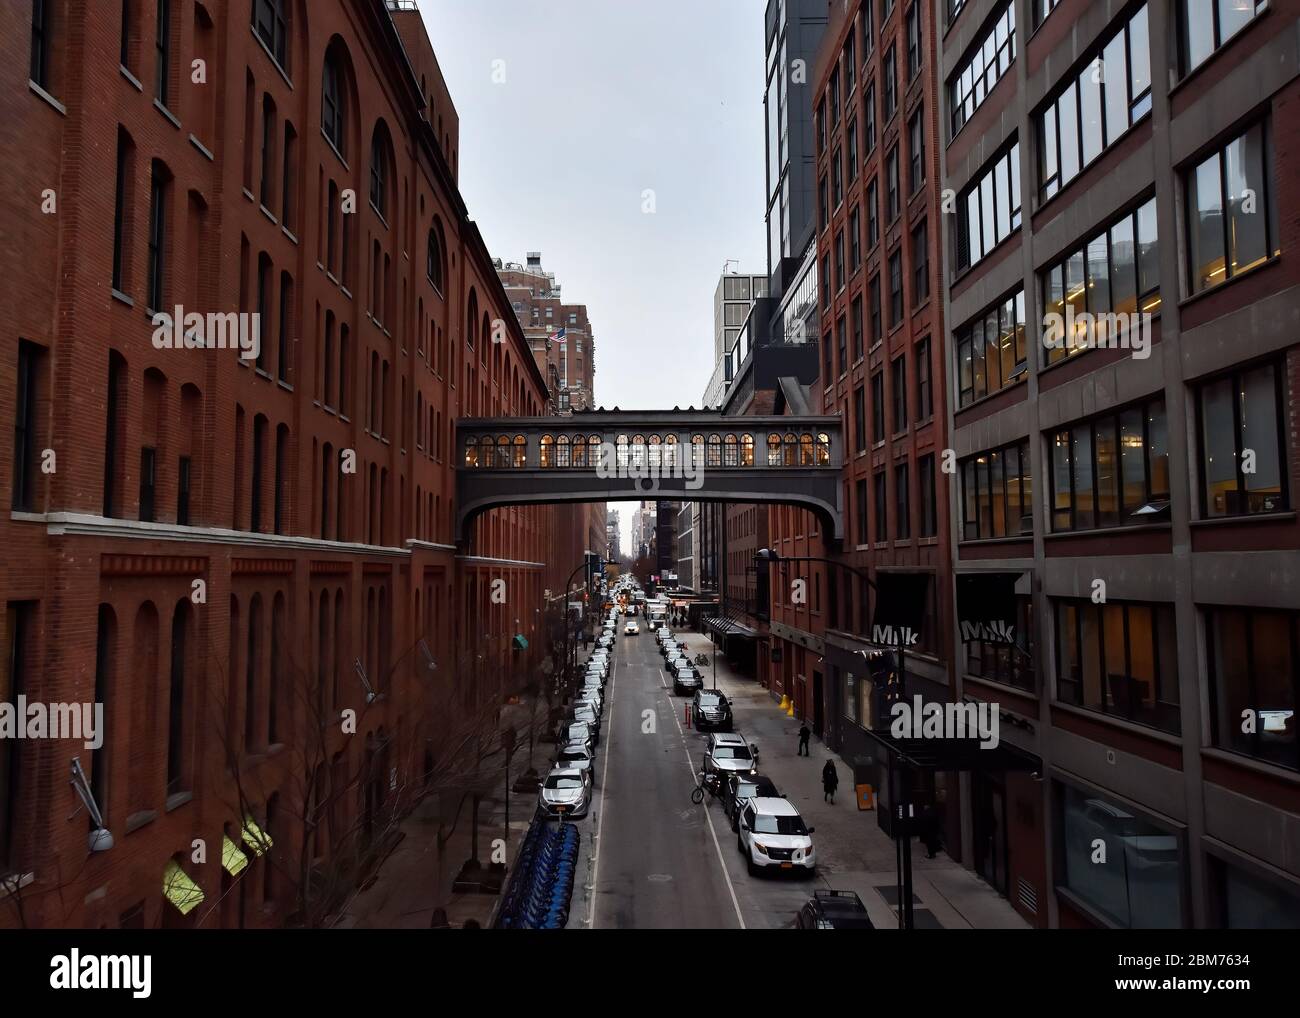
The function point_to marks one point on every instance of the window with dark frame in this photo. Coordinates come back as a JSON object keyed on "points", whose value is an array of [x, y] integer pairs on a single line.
{"points": [[1205, 27], [331, 107], [41, 31], [183, 468], [1012, 664], [148, 482], [916, 153], [902, 503], [920, 264], [855, 315], [881, 507], [841, 343], [1253, 664], [156, 288], [14, 682], [873, 293], [119, 210], [929, 503], [913, 40], [896, 288], [1240, 423], [855, 242], [990, 350], [890, 74], [1230, 227], [997, 494], [924, 388], [860, 498], [873, 214], [877, 407], [1119, 658], [1111, 471], [990, 58], [26, 399], [893, 203], [869, 118], [269, 23], [1094, 108], [163, 49], [898, 383], [859, 419], [988, 211]]}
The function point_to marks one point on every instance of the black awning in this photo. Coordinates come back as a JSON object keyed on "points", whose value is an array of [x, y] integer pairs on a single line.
{"points": [[900, 608], [729, 627], [956, 754], [986, 606]]}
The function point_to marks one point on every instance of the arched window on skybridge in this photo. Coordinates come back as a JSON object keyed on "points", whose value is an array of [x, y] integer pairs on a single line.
{"points": [[773, 450], [593, 450], [670, 451], [715, 451], [471, 451], [521, 452], [823, 449], [504, 452], [548, 451], [790, 449], [620, 449], [730, 451], [639, 455], [562, 451], [806, 455], [697, 450], [579, 450], [746, 450], [655, 450]]}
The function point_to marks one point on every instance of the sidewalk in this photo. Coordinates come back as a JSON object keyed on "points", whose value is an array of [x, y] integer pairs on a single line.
{"points": [[414, 879], [853, 852]]}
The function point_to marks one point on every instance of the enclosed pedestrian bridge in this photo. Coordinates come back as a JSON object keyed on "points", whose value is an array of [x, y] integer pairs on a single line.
{"points": [[627, 455]]}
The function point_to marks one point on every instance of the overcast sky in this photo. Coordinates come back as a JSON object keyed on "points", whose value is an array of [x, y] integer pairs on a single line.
{"points": [[602, 101]]}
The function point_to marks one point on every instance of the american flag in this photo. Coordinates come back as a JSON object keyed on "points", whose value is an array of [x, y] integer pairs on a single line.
{"points": [[557, 336]]}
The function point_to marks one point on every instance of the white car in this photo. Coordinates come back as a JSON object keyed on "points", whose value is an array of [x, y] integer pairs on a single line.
{"points": [[631, 629], [578, 758], [772, 835]]}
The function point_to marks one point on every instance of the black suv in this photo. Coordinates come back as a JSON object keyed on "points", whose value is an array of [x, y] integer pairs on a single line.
{"points": [[710, 710], [740, 788], [834, 910]]}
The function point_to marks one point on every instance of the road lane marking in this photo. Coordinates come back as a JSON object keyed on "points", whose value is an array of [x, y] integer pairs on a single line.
{"points": [[604, 790]]}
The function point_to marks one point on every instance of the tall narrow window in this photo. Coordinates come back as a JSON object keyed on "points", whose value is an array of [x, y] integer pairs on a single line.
{"points": [[163, 48], [148, 482], [286, 312], [26, 398], [13, 682], [902, 503], [121, 209], [281, 479], [105, 664], [176, 703], [114, 429], [183, 492], [263, 310], [289, 176], [332, 108], [270, 24], [1229, 211], [41, 26], [157, 237], [124, 49], [259, 458], [267, 183]]}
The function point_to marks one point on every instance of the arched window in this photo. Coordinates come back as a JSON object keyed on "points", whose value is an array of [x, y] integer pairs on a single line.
{"points": [[270, 21], [521, 452], [504, 455], [433, 259], [774, 450], [656, 450], [379, 169], [823, 449], [639, 457], [332, 108], [580, 451], [806, 456], [562, 451], [697, 450], [621, 448], [471, 317], [471, 451], [790, 447], [593, 450], [548, 451], [715, 451], [746, 450], [730, 455]]}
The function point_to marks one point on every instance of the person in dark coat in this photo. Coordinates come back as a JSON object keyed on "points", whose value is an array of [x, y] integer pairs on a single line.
{"points": [[804, 735], [830, 780]]}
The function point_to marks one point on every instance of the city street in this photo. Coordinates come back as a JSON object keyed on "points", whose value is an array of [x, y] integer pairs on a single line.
{"points": [[661, 862]]}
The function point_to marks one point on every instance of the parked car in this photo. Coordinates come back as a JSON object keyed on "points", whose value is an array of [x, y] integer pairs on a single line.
{"points": [[772, 835], [711, 709], [727, 752], [740, 788], [579, 758], [834, 910], [576, 732], [671, 659], [686, 678], [586, 715], [564, 792], [631, 629]]}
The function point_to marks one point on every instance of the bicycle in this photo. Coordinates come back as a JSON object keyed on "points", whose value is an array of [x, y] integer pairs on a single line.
{"points": [[710, 783], [702, 660]]}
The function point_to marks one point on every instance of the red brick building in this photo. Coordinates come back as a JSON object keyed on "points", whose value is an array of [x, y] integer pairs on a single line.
{"points": [[299, 165]]}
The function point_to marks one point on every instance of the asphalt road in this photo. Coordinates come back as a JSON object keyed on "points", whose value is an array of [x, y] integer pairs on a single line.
{"points": [[658, 861]]}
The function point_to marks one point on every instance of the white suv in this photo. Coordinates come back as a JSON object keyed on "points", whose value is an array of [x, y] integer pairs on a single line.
{"points": [[772, 835]]}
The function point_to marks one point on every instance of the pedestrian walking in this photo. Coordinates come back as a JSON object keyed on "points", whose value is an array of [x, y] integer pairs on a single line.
{"points": [[830, 779], [804, 736]]}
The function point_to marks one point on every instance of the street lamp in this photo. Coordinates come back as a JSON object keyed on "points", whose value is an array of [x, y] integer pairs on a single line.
{"points": [[903, 840]]}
